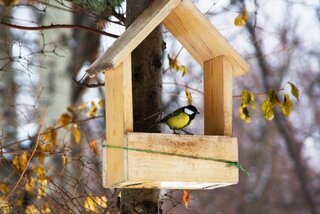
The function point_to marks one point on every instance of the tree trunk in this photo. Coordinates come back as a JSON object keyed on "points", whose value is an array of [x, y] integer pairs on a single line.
{"points": [[147, 80]]}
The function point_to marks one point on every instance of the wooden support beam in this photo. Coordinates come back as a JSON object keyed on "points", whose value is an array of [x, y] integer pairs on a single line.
{"points": [[133, 36], [202, 40], [218, 96], [119, 119], [166, 167]]}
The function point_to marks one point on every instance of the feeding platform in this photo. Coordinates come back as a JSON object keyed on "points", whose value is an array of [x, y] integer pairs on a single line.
{"points": [[169, 161]]}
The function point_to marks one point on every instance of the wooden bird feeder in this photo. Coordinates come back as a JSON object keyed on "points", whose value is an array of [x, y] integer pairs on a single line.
{"points": [[133, 168]]}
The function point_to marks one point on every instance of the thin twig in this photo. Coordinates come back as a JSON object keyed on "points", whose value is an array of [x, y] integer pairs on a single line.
{"points": [[31, 156], [59, 26], [54, 129]]}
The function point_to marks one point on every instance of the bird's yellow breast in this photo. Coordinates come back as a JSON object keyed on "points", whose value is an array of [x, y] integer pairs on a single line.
{"points": [[179, 121]]}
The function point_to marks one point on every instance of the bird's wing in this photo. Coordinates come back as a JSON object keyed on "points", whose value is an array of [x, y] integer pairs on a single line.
{"points": [[175, 113]]}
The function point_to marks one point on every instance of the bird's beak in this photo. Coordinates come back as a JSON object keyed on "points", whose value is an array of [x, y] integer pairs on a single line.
{"points": [[198, 112]]}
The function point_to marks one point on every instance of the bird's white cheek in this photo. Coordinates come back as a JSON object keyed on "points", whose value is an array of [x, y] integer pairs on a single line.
{"points": [[187, 111]]}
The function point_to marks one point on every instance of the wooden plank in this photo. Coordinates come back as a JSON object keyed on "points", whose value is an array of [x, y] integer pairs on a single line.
{"points": [[171, 185], [119, 119], [133, 36], [200, 37], [150, 167], [218, 97]]}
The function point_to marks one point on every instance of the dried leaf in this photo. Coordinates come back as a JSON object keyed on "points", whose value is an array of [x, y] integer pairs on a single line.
{"points": [[247, 98], [41, 158], [186, 198], [287, 105], [267, 109], [82, 107], [101, 103], [274, 97], [94, 146], [90, 205], [101, 201], [244, 114], [50, 136], [93, 110], [49, 140], [189, 96], [20, 161], [42, 186], [39, 171], [242, 18], [76, 134], [173, 62], [184, 70], [4, 206], [294, 90], [65, 160], [4, 188], [31, 209], [45, 209], [30, 184], [64, 119]]}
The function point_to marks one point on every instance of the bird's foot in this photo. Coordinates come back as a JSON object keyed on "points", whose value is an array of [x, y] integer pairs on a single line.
{"points": [[186, 132]]}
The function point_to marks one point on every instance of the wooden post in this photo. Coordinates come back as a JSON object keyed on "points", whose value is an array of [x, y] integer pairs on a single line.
{"points": [[119, 120], [218, 96]]}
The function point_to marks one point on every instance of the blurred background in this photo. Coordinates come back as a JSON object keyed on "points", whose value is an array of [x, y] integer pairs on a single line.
{"points": [[44, 71]]}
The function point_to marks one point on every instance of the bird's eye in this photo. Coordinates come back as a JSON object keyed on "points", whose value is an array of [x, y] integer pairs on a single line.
{"points": [[188, 111]]}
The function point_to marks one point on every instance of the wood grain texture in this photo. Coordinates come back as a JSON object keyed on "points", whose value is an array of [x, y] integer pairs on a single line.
{"points": [[133, 36], [202, 40], [119, 119], [218, 96], [156, 168]]}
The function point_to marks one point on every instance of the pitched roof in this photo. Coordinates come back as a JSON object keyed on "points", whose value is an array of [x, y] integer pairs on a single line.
{"points": [[187, 24]]}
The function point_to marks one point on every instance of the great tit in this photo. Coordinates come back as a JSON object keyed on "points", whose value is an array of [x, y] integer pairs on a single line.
{"points": [[180, 118]]}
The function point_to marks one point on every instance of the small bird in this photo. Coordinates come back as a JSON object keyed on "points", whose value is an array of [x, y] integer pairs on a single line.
{"points": [[180, 118]]}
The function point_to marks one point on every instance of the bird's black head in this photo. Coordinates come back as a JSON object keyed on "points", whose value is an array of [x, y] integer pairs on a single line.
{"points": [[191, 111]]}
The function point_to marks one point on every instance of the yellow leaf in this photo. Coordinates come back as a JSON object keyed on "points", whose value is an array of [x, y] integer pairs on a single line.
{"points": [[247, 98], [76, 134], [20, 161], [41, 158], [82, 107], [101, 201], [287, 105], [294, 91], [267, 109], [42, 186], [184, 70], [244, 114], [4, 206], [90, 205], [186, 198], [94, 147], [189, 96], [31, 209], [4, 188], [242, 18], [101, 103], [93, 110], [45, 209], [65, 119], [274, 97], [39, 171], [173, 62], [50, 135], [30, 184], [65, 160]]}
